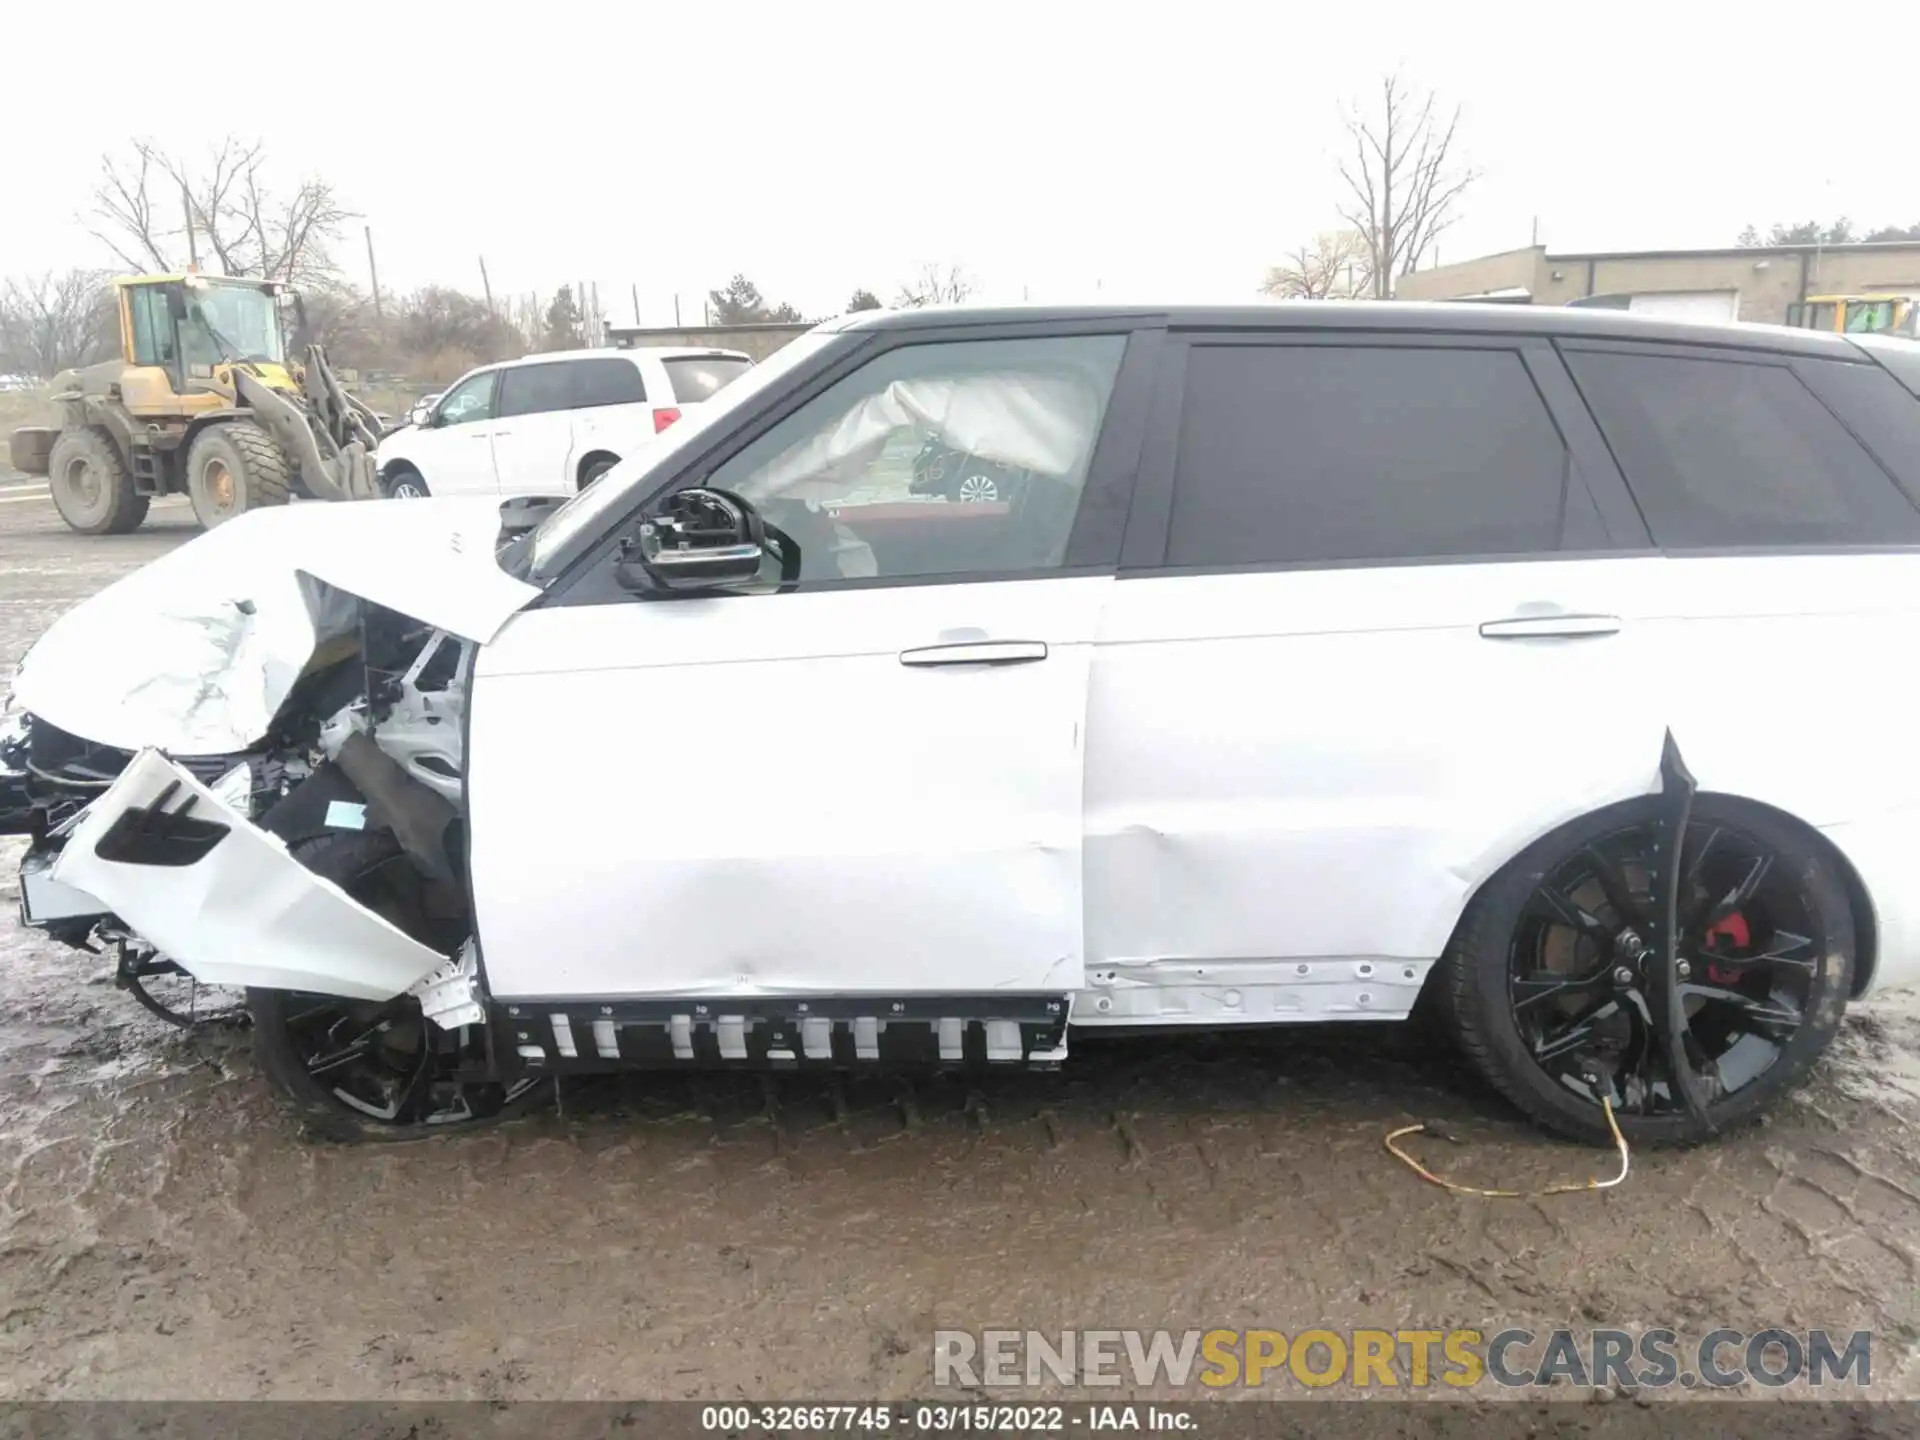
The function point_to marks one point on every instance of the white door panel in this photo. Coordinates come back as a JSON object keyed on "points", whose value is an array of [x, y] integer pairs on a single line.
{"points": [[755, 795], [247, 913], [1324, 763], [533, 453], [455, 459]]}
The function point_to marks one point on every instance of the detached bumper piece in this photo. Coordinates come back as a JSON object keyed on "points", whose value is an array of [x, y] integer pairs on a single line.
{"points": [[782, 1033]]}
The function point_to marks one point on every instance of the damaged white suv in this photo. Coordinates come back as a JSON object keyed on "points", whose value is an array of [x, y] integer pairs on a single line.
{"points": [[1313, 659]]}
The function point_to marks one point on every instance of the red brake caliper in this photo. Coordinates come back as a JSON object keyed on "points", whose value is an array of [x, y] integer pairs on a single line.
{"points": [[1734, 930]]}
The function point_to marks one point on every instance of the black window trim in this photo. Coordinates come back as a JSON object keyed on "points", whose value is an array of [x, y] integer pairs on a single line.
{"points": [[1093, 547], [1801, 367], [1144, 549]]}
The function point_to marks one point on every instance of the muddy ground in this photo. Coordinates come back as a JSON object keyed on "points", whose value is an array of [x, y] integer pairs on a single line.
{"points": [[165, 1233]]}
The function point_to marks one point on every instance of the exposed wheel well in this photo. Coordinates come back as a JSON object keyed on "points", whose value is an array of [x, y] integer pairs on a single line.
{"points": [[591, 459], [1865, 925]]}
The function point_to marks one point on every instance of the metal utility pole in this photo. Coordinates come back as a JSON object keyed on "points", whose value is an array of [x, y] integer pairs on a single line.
{"points": [[636, 303], [373, 274], [486, 285], [676, 312]]}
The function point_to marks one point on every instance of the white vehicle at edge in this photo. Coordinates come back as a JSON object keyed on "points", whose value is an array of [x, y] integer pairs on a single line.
{"points": [[548, 424], [1311, 659]]}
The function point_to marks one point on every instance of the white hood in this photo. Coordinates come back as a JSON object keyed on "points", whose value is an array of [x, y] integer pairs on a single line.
{"points": [[195, 652]]}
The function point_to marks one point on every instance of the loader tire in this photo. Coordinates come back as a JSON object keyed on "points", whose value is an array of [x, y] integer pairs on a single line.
{"points": [[90, 484], [234, 467]]}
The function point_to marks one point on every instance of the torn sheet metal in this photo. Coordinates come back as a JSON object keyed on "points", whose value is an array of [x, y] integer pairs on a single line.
{"points": [[246, 912], [195, 652]]}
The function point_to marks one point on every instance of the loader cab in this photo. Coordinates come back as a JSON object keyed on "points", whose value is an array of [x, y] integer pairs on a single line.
{"points": [[178, 332]]}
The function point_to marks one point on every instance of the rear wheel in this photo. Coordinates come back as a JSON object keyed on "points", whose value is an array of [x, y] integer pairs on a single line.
{"points": [[1546, 983], [233, 467], [378, 1069], [90, 485]]}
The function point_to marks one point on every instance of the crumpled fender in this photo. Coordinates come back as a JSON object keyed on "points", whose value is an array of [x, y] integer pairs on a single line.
{"points": [[195, 652], [233, 908]]}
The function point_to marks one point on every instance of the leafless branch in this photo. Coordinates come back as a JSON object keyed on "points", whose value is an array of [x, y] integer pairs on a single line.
{"points": [[1336, 266], [936, 285], [243, 223], [55, 322], [1402, 179]]}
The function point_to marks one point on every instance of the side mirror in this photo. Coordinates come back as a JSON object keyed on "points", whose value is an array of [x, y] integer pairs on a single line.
{"points": [[420, 414], [695, 540]]}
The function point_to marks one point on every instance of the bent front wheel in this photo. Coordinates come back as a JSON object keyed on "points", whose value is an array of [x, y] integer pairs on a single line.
{"points": [[378, 1070]]}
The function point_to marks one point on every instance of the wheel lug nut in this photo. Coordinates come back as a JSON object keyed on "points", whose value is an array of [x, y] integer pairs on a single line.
{"points": [[1623, 976]]}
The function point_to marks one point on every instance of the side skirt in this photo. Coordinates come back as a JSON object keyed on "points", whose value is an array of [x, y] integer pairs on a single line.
{"points": [[836, 1032]]}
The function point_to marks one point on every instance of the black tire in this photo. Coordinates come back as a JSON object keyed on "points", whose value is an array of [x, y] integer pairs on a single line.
{"points": [[90, 484], [233, 467], [403, 482], [1479, 999], [287, 1025], [594, 469]]}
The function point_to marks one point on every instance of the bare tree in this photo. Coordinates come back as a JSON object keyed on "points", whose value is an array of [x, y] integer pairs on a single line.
{"points": [[1402, 179], [241, 222], [936, 285], [54, 322], [1336, 266]]}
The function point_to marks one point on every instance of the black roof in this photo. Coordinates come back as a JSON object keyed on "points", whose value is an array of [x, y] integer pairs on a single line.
{"points": [[1448, 317]]}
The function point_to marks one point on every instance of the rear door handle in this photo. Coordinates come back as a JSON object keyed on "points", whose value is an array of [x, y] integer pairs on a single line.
{"points": [[1550, 627], [977, 652]]}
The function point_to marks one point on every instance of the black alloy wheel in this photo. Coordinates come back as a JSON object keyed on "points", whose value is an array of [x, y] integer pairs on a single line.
{"points": [[1550, 982]]}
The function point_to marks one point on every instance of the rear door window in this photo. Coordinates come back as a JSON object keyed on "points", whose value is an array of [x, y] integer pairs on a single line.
{"points": [[535, 389], [1304, 454], [606, 380], [1723, 452], [701, 377]]}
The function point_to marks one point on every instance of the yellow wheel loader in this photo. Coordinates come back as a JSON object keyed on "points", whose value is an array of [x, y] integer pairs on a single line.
{"points": [[203, 402]]}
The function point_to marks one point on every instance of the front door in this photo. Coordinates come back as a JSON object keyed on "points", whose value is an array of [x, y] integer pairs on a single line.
{"points": [[870, 784], [455, 454]]}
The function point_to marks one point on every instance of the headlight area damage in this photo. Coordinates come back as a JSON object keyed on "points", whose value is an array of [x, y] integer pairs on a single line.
{"points": [[245, 760]]}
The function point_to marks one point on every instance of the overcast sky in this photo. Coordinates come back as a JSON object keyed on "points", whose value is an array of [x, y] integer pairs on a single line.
{"points": [[1057, 151]]}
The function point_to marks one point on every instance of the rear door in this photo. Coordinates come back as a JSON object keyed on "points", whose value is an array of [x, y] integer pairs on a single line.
{"points": [[612, 408], [533, 429], [1366, 643], [869, 785], [1781, 489]]}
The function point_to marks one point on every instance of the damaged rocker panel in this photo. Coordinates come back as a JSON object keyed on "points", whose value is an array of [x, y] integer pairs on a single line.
{"points": [[781, 1032]]}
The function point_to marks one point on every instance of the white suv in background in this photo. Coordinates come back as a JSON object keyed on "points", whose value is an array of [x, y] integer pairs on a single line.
{"points": [[549, 424]]}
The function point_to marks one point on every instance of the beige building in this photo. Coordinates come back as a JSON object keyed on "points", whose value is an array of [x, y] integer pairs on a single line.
{"points": [[1755, 285]]}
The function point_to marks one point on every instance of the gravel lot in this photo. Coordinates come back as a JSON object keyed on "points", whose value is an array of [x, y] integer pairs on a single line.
{"points": [[165, 1233]]}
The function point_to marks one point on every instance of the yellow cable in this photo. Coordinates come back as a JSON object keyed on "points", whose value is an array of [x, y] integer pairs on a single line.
{"points": [[1619, 1142]]}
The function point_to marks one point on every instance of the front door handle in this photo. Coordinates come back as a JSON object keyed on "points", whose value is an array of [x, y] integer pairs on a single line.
{"points": [[977, 652], [1550, 627]]}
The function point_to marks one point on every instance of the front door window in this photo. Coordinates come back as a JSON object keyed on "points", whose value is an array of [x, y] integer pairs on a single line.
{"points": [[936, 460]]}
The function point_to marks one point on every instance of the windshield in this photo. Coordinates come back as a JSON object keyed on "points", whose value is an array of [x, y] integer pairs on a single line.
{"points": [[1869, 316], [230, 322], [634, 477]]}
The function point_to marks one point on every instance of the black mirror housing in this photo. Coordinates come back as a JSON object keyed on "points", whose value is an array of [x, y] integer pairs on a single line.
{"points": [[692, 542]]}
